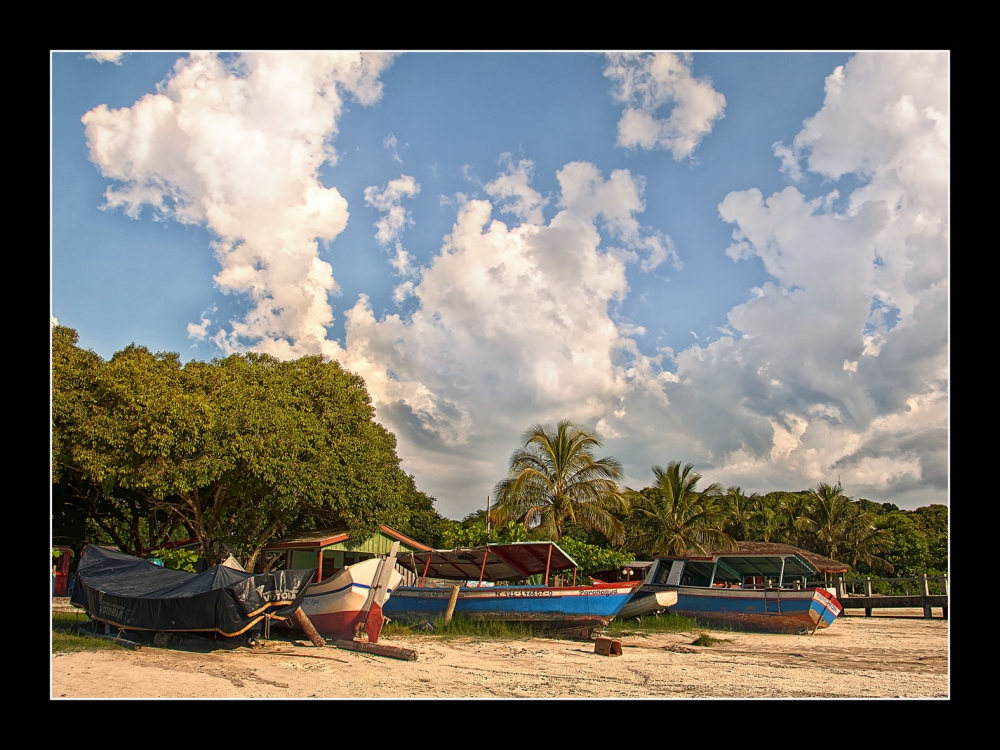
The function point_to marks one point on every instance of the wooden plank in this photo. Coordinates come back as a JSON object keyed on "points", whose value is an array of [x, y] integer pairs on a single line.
{"points": [[379, 649]]}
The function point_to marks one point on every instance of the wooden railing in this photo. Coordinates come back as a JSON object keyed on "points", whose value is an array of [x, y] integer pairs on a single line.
{"points": [[928, 592]]}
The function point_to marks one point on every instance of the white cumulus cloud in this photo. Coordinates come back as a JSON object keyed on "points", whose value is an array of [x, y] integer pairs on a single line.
{"points": [[107, 56], [237, 144], [647, 83], [857, 389], [395, 218]]}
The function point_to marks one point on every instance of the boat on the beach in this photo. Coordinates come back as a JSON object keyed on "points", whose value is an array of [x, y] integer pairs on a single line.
{"points": [[131, 593], [352, 601], [756, 591], [637, 606], [493, 585]]}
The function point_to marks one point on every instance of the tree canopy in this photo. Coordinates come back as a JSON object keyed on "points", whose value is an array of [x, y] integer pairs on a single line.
{"points": [[232, 451]]}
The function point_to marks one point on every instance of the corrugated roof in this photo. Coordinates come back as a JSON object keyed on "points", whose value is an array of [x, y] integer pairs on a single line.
{"points": [[326, 537]]}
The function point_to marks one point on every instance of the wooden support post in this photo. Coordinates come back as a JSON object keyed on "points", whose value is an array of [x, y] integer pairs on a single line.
{"points": [[482, 570], [548, 564], [452, 601], [924, 593], [426, 566], [944, 591], [840, 588], [379, 649], [307, 626], [868, 593]]}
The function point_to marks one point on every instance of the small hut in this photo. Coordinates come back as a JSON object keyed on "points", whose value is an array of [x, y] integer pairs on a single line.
{"points": [[331, 550]]}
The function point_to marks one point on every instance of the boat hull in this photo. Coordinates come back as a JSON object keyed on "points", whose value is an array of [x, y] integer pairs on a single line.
{"points": [[647, 603], [336, 606], [561, 606], [758, 610]]}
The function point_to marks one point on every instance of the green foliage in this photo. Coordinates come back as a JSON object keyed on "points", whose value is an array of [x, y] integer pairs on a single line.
{"points": [[463, 627], [910, 554], [554, 479], [177, 559], [662, 622], [472, 532], [593, 559], [230, 452], [674, 516], [67, 636], [422, 522], [932, 521], [742, 514]]}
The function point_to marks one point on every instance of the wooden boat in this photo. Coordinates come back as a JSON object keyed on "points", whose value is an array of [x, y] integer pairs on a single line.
{"points": [[760, 592], [638, 605], [130, 593], [492, 585], [351, 602], [637, 571]]}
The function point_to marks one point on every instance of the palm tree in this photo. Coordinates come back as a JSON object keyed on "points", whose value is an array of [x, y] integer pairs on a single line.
{"points": [[554, 478], [741, 511], [829, 518], [791, 509], [865, 542], [673, 516]]}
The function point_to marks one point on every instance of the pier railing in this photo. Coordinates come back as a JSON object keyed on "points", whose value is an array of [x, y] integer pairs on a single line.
{"points": [[924, 591]]}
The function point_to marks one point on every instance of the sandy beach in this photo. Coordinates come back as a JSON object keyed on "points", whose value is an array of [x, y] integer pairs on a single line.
{"points": [[887, 656]]}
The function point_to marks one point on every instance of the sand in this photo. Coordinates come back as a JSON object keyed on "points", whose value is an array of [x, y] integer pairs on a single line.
{"points": [[897, 655]]}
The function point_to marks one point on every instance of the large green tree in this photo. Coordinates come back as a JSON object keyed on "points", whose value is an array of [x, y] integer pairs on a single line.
{"points": [[674, 516], [555, 478], [235, 451], [87, 500], [423, 523]]}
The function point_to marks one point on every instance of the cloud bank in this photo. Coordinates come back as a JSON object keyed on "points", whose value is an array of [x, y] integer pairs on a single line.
{"points": [[236, 144], [836, 367]]}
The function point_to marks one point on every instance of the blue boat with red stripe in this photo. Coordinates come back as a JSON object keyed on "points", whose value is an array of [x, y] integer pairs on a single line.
{"points": [[492, 583], [753, 591]]}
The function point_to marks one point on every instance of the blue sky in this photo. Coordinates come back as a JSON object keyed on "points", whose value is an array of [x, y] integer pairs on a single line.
{"points": [[735, 260]]}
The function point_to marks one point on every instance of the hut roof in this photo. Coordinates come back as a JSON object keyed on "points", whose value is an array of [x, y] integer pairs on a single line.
{"points": [[326, 537], [821, 563]]}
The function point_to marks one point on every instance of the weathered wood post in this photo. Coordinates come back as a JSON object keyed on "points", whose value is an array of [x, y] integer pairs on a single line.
{"points": [[868, 593], [944, 591], [307, 627], [840, 588], [452, 601], [924, 593]]}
